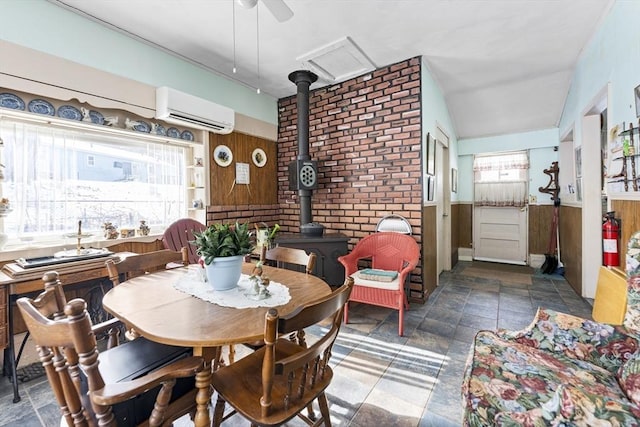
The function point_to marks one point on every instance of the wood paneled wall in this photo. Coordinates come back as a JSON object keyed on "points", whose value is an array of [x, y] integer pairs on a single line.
{"points": [[629, 213], [455, 233], [464, 224], [263, 186], [429, 254], [540, 217], [571, 245]]}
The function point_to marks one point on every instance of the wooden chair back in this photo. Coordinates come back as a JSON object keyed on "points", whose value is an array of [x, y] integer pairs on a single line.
{"points": [[50, 305], [138, 265], [141, 264], [292, 376], [180, 233], [284, 257], [67, 348]]}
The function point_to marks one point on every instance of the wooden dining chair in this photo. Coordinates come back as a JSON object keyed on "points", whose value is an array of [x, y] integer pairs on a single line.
{"points": [[291, 258], [179, 234], [145, 263], [131, 384], [141, 264], [277, 382]]}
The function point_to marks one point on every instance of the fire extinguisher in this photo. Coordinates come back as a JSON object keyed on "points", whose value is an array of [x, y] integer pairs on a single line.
{"points": [[610, 235]]}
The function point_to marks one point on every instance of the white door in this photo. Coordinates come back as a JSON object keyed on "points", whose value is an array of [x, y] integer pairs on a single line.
{"points": [[500, 234], [443, 197]]}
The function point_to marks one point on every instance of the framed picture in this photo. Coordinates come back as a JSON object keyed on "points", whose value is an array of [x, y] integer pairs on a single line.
{"points": [[431, 187], [636, 96], [579, 189], [431, 155], [454, 180], [578, 152]]}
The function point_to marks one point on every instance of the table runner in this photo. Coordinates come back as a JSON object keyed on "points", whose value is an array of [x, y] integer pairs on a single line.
{"points": [[242, 296]]}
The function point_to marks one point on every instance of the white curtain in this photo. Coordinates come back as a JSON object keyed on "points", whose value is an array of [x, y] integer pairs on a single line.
{"points": [[55, 177], [501, 180]]}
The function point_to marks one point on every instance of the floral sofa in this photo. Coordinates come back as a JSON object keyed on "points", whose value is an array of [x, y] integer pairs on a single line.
{"points": [[562, 370]]}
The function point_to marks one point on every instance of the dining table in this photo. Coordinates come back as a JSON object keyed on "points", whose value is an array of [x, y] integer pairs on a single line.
{"points": [[153, 305]]}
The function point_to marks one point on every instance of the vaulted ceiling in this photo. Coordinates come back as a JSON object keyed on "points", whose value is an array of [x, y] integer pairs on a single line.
{"points": [[503, 66]]}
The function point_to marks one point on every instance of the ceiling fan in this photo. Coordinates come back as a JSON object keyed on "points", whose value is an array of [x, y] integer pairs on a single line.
{"points": [[278, 8]]}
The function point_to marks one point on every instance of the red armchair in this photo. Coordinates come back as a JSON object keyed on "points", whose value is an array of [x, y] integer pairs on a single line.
{"points": [[387, 251]]}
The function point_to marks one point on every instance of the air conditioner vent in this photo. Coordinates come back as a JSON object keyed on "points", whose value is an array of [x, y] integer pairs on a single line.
{"points": [[184, 109]]}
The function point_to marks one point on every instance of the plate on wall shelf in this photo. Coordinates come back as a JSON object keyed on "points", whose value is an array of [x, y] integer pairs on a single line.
{"points": [[96, 117], [223, 155], [173, 133], [259, 157], [9, 100], [40, 106], [186, 135], [142, 126], [69, 112], [158, 129]]}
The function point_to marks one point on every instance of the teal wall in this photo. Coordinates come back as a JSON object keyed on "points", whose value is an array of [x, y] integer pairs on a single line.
{"points": [[612, 56], [541, 154], [434, 114], [43, 26]]}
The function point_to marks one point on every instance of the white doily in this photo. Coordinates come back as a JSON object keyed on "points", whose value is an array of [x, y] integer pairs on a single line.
{"points": [[242, 296]]}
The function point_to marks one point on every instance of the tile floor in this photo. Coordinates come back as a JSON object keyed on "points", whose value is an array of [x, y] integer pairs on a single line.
{"points": [[383, 379]]}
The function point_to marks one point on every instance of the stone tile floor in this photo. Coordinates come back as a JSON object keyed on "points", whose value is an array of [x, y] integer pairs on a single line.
{"points": [[382, 379]]}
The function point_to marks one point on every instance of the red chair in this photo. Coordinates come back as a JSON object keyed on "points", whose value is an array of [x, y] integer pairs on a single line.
{"points": [[388, 251], [180, 233]]}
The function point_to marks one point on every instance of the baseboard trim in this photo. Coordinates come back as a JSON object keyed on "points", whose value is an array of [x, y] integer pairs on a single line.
{"points": [[465, 254], [536, 260]]}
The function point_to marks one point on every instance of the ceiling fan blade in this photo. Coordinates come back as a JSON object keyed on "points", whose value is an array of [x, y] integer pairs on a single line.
{"points": [[247, 4], [278, 9]]}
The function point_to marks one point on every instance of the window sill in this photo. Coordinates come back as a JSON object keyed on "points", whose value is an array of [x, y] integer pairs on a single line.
{"points": [[34, 250]]}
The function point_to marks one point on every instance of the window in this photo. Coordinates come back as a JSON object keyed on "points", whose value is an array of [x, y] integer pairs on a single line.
{"points": [[55, 177], [501, 179]]}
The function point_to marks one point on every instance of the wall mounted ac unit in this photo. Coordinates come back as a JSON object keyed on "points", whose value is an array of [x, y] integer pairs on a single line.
{"points": [[184, 109]]}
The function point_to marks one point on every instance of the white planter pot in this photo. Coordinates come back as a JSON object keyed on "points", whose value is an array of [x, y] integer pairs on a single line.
{"points": [[224, 272]]}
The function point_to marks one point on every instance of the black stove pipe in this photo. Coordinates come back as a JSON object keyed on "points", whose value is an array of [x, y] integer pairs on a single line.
{"points": [[302, 80]]}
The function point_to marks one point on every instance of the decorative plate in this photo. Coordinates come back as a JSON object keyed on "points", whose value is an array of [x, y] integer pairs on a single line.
{"points": [[187, 135], [40, 106], [9, 100], [142, 126], [69, 112], [223, 155], [173, 133], [259, 157], [158, 129], [96, 117]]}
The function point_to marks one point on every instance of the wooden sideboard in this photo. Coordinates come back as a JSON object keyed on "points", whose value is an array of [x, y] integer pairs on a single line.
{"points": [[16, 282]]}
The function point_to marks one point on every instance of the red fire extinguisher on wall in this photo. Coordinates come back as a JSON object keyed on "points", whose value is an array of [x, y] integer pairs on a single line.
{"points": [[610, 235]]}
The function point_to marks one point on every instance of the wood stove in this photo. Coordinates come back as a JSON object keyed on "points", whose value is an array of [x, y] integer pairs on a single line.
{"points": [[327, 248]]}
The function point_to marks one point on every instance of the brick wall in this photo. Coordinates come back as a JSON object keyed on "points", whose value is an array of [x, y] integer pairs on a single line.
{"points": [[365, 134]]}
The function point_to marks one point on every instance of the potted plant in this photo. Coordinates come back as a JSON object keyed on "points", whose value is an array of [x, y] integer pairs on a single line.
{"points": [[222, 248]]}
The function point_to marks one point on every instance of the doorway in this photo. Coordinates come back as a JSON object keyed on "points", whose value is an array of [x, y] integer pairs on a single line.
{"points": [[500, 214], [443, 208]]}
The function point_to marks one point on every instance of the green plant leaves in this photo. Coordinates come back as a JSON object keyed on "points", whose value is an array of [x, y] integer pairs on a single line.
{"points": [[223, 240]]}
